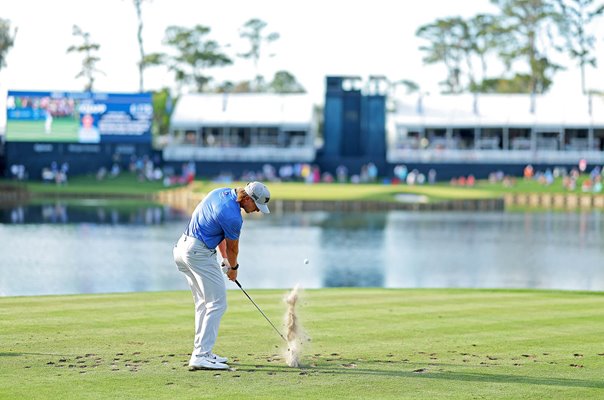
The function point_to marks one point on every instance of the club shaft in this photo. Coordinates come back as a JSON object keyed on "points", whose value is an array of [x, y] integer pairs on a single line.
{"points": [[269, 321]]}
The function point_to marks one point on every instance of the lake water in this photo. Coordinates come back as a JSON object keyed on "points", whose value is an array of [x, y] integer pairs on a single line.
{"points": [[96, 248]]}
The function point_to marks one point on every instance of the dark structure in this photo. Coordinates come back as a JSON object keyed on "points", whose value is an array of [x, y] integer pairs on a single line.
{"points": [[354, 125], [2, 158], [82, 158]]}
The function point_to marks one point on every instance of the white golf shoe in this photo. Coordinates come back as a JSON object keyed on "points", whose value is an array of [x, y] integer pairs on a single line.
{"points": [[206, 362], [218, 358], [212, 356]]}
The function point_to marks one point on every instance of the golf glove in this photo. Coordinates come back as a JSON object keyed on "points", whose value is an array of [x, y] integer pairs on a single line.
{"points": [[224, 265]]}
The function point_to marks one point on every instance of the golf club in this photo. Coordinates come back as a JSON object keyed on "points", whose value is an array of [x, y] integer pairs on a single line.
{"points": [[269, 321]]}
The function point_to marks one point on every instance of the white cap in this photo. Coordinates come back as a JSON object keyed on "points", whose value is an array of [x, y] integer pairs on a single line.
{"points": [[260, 194]]}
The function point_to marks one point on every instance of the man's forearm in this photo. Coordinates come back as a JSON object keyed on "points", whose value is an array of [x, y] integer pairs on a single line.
{"points": [[232, 256], [223, 250]]}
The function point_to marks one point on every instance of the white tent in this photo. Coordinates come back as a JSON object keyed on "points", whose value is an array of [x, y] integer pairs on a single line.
{"points": [[499, 110], [242, 127], [242, 109], [498, 128]]}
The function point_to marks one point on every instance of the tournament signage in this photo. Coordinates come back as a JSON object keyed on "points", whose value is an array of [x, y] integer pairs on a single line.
{"points": [[78, 117]]}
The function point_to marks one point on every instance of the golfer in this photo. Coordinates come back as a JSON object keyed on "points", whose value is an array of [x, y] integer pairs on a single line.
{"points": [[215, 224]]}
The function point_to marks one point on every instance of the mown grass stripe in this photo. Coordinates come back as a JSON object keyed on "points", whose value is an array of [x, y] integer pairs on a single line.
{"points": [[366, 343]]}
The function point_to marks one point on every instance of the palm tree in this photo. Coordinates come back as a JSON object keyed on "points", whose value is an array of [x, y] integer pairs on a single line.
{"points": [[576, 16], [252, 30], [447, 45], [89, 62], [285, 82], [525, 26], [139, 37], [7, 40], [195, 54]]}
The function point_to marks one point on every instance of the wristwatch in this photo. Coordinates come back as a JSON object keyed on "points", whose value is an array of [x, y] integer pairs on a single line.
{"points": [[235, 267]]}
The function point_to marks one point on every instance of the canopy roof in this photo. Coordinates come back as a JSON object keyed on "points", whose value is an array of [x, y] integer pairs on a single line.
{"points": [[242, 109], [496, 110]]}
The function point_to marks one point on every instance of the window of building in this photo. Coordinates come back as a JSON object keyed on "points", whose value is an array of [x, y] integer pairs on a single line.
{"points": [[211, 137], [190, 138], [408, 138], [599, 139], [547, 140], [294, 138], [463, 138], [178, 137], [576, 139], [436, 138], [242, 136], [520, 138], [490, 139], [266, 136]]}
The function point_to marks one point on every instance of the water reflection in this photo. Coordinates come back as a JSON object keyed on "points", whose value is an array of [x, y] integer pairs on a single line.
{"points": [[98, 212], [439, 249], [87, 248], [549, 250], [358, 235]]}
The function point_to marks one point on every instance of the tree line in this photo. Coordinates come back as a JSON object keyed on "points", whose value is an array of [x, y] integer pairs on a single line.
{"points": [[193, 53], [525, 36]]}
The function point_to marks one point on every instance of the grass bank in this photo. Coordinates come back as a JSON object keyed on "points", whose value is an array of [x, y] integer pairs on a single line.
{"points": [[366, 344], [358, 192], [128, 185], [385, 192]]}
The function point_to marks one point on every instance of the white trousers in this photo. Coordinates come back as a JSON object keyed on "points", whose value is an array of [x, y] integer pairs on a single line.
{"points": [[205, 278]]}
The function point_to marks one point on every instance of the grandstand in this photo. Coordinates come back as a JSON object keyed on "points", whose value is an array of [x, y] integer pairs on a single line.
{"points": [[235, 133], [242, 128], [497, 130]]}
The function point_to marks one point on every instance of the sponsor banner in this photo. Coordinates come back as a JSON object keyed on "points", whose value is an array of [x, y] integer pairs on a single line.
{"points": [[82, 117]]}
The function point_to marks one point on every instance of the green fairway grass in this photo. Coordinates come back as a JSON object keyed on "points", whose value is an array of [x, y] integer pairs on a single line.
{"points": [[387, 192], [529, 186], [125, 184], [357, 192], [63, 130], [365, 344]]}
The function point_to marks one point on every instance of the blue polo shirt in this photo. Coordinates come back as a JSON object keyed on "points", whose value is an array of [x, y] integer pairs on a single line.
{"points": [[217, 217]]}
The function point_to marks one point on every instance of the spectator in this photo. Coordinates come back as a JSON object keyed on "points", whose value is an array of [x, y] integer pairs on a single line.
{"points": [[597, 184], [286, 172], [115, 170], [101, 174], [342, 173], [327, 177], [528, 172], [372, 172], [400, 171], [432, 176]]}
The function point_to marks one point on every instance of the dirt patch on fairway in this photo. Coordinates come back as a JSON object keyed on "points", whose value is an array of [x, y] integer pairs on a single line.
{"points": [[115, 363]]}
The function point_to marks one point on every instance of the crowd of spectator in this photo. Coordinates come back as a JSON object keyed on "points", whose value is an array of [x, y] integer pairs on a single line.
{"points": [[402, 175], [19, 172], [303, 172], [571, 180], [55, 173], [145, 169]]}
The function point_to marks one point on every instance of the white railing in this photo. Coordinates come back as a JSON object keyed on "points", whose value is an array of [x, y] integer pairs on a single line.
{"points": [[258, 154], [493, 156]]}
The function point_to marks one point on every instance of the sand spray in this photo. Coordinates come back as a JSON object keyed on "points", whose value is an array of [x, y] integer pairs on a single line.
{"points": [[295, 335]]}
